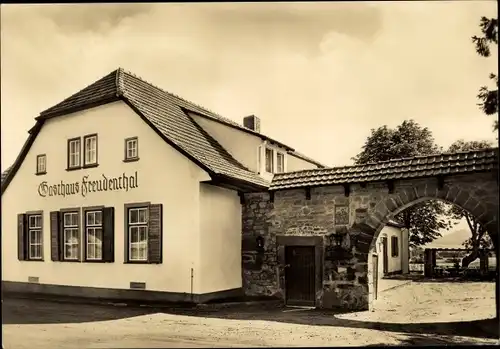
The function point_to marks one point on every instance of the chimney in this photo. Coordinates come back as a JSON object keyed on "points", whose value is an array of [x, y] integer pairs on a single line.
{"points": [[252, 122]]}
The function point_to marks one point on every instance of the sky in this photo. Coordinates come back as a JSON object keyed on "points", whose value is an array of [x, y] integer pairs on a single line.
{"points": [[318, 75]]}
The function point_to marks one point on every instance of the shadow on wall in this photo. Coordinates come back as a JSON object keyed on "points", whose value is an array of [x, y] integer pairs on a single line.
{"points": [[23, 311]]}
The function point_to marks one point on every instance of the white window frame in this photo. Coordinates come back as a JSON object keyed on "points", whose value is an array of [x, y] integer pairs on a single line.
{"points": [[41, 163], [278, 154], [74, 155], [271, 158], [92, 229], [35, 229], [90, 150], [133, 149], [70, 228], [136, 226]]}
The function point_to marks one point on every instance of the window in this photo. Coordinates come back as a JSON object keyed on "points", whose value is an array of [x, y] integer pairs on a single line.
{"points": [[71, 236], [90, 150], [138, 234], [131, 149], [35, 237], [269, 160], [394, 246], [97, 244], [74, 148], [143, 233], [41, 164], [30, 236], [280, 162], [93, 233]]}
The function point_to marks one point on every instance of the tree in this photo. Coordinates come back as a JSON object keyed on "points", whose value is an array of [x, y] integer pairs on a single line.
{"points": [[488, 98], [423, 220], [479, 238]]}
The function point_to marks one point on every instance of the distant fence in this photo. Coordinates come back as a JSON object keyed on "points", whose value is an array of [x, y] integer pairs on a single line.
{"points": [[416, 267]]}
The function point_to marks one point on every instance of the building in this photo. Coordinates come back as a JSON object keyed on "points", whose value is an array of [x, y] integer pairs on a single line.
{"points": [[126, 191], [392, 249], [391, 254]]}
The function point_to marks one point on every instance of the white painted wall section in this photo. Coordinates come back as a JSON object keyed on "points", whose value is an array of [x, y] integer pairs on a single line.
{"points": [[241, 145], [220, 242], [394, 263], [297, 164]]}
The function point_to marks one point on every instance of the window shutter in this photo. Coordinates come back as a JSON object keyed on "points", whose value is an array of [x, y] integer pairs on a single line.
{"points": [[55, 236], [22, 237], [108, 234], [81, 240], [155, 233]]}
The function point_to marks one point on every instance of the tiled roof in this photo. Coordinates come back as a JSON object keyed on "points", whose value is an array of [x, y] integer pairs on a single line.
{"points": [[419, 166], [165, 112]]}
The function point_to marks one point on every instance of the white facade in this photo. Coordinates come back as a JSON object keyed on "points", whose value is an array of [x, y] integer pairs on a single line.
{"points": [[164, 176], [200, 223]]}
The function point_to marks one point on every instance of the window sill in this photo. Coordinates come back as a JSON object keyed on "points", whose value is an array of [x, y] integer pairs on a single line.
{"points": [[131, 160], [137, 262], [40, 173], [96, 261], [69, 260], [34, 260], [90, 165], [74, 168]]}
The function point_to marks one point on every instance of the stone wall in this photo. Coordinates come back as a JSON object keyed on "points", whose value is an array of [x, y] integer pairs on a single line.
{"points": [[357, 214]]}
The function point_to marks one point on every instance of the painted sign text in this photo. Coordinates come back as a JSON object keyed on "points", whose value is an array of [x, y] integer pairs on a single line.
{"points": [[86, 186]]}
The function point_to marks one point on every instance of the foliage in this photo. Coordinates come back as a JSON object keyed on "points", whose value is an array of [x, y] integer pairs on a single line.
{"points": [[488, 98], [479, 238], [423, 220]]}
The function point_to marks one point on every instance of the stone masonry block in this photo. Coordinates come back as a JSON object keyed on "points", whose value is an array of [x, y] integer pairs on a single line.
{"points": [[462, 197], [391, 204], [421, 190], [452, 194], [411, 194]]}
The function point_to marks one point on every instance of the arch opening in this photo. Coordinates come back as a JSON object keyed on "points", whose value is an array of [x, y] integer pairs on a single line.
{"points": [[377, 259]]}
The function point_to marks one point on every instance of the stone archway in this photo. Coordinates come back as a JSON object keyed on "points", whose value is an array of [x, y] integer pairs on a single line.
{"points": [[479, 199]]}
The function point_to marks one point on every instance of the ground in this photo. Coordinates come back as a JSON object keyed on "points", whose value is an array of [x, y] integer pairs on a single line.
{"points": [[411, 313]]}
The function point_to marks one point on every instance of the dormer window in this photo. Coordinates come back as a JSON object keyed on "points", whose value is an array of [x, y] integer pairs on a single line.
{"points": [[269, 160], [280, 162]]}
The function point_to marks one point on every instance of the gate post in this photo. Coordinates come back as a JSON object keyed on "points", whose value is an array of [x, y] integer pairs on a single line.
{"points": [[428, 262]]}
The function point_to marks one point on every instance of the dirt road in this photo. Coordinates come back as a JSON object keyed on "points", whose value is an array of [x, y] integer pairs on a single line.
{"points": [[416, 313]]}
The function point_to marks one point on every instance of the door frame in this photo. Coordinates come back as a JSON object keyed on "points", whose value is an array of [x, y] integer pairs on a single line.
{"points": [[375, 274], [317, 241]]}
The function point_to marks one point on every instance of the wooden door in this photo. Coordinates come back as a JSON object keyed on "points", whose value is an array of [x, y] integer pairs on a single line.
{"points": [[300, 275], [385, 255]]}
